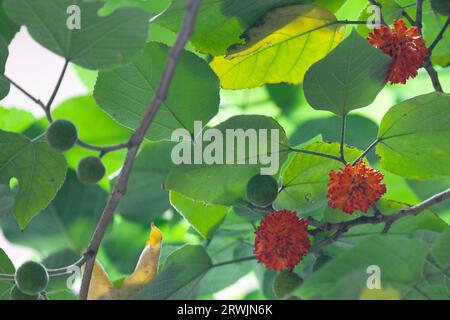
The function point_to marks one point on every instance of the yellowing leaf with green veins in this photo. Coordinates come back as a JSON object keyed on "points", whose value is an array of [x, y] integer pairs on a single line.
{"points": [[101, 287], [281, 49]]}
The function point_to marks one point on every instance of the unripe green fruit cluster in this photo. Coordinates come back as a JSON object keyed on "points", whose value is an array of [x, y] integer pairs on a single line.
{"points": [[31, 278], [90, 170], [62, 135], [262, 190]]}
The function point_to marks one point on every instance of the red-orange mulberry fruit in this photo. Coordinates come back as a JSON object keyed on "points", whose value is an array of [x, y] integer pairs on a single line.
{"points": [[405, 45], [281, 240], [355, 188]]}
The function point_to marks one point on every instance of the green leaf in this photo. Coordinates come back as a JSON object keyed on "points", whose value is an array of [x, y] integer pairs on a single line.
{"points": [[305, 177], [286, 282], [205, 218], [6, 267], [39, 169], [220, 24], [8, 28], [348, 78], [441, 6], [6, 200], [400, 260], [415, 137], [152, 6], [67, 223], [15, 120], [126, 92], [440, 251], [179, 279], [286, 96], [226, 248], [281, 48], [146, 199], [101, 42], [4, 84], [225, 184]]}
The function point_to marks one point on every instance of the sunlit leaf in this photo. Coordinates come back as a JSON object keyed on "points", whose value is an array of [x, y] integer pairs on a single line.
{"points": [[281, 49]]}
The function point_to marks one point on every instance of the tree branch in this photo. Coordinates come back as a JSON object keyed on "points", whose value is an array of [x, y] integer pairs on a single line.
{"points": [[135, 142], [388, 220]]}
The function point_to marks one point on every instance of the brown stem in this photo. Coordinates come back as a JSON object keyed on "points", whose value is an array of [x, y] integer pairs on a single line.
{"points": [[135, 142], [388, 220]]}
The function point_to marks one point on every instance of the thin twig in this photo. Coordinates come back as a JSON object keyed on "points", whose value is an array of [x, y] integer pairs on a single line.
{"points": [[65, 270], [135, 142], [220, 264], [319, 154], [48, 106], [439, 36], [47, 110], [388, 220], [365, 152], [346, 21], [25, 92]]}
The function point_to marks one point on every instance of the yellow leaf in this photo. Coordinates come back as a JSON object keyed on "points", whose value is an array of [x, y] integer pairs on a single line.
{"points": [[147, 265], [101, 287], [281, 49]]}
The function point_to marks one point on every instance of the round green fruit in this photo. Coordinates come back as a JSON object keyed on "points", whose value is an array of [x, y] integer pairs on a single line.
{"points": [[62, 135], [90, 170], [285, 283], [16, 294], [31, 278], [262, 190]]}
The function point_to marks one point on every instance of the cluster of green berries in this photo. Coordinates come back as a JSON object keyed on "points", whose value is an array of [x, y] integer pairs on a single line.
{"points": [[62, 135], [31, 279]]}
